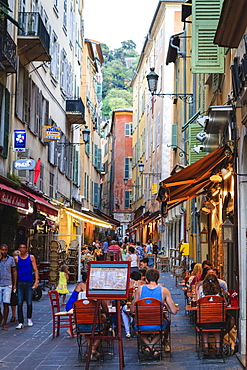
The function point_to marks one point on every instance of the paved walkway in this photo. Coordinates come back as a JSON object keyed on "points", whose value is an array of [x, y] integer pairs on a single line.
{"points": [[34, 349]]}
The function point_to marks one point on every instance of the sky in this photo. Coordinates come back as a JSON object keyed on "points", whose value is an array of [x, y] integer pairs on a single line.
{"points": [[113, 21]]}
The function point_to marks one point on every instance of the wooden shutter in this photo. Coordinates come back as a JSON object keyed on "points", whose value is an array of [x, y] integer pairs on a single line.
{"points": [[95, 194], [174, 135], [75, 168], [95, 156], [206, 56], [126, 168], [6, 124], [99, 159], [194, 129]]}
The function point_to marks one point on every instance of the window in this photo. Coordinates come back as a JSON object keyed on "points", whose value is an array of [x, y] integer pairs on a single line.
{"points": [[86, 185], [128, 129], [51, 185], [56, 6], [72, 26], [127, 199], [4, 120], [64, 72], [65, 12], [76, 167], [96, 195], [154, 135], [55, 57], [128, 168]]}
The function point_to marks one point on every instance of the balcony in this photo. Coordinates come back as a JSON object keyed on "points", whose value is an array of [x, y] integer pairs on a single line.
{"points": [[33, 38], [8, 57], [75, 111]]}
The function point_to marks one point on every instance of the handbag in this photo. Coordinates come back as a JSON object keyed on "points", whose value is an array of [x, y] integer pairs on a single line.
{"points": [[13, 299]]}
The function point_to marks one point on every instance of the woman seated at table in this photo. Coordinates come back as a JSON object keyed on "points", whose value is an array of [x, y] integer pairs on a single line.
{"points": [[80, 293], [210, 286]]}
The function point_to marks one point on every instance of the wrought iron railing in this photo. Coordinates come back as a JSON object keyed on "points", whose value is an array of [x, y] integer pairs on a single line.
{"points": [[32, 25], [8, 55]]}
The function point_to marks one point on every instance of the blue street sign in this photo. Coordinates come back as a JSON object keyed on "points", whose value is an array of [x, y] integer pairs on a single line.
{"points": [[19, 140]]}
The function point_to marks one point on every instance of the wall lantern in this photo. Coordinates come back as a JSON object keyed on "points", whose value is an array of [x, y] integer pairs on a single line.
{"points": [[204, 236], [125, 181], [85, 134], [141, 167], [227, 231]]}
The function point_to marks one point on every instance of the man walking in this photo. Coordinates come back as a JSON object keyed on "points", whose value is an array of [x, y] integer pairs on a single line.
{"points": [[26, 264], [8, 277]]}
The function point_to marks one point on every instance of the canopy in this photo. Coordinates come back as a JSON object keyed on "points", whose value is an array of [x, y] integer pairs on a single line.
{"points": [[188, 183]]}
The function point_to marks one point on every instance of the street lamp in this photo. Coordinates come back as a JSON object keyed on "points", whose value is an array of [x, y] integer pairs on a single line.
{"points": [[141, 169], [85, 136], [130, 185], [227, 231], [153, 78]]}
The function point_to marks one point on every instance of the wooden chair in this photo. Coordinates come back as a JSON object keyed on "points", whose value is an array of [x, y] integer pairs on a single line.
{"points": [[84, 311], [149, 313], [60, 319], [211, 317]]}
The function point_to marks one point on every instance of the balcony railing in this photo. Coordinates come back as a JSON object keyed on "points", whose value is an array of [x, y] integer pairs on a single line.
{"points": [[75, 110], [8, 57], [33, 28]]}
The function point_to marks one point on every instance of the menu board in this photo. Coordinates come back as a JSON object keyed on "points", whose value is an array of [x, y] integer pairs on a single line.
{"points": [[108, 279]]}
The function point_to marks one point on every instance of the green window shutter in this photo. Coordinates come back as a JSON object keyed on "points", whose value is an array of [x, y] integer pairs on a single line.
{"points": [[75, 166], [99, 159], [206, 56], [194, 129], [6, 123], [174, 135], [96, 156], [85, 185]]}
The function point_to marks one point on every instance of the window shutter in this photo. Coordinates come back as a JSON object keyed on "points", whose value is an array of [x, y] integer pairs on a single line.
{"points": [[127, 199], [126, 168], [206, 57], [174, 135], [95, 156], [99, 159], [87, 147], [95, 192], [75, 167], [6, 124], [26, 89], [194, 129]]}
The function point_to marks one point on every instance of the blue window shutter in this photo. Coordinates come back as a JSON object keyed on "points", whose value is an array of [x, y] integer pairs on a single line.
{"points": [[127, 199], [99, 159], [96, 156], [126, 168], [96, 195], [206, 56], [174, 135]]}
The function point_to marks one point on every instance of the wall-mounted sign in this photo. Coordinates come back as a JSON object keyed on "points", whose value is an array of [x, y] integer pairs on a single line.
{"points": [[50, 133], [154, 188], [24, 164], [19, 140]]}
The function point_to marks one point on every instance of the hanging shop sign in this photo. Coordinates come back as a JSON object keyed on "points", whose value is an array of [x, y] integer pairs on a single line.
{"points": [[19, 140], [24, 164], [51, 133], [154, 188]]}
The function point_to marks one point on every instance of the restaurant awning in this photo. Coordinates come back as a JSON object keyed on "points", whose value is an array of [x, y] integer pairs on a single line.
{"points": [[190, 181], [12, 197], [88, 216], [41, 204], [143, 220]]}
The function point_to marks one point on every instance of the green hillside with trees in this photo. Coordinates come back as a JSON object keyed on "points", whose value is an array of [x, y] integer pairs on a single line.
{"points": [[118, 70]]}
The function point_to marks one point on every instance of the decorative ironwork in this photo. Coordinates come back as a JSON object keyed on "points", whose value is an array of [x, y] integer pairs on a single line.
{"points": [[8, 56], [181, 153], [187, 98], [32, 25]]}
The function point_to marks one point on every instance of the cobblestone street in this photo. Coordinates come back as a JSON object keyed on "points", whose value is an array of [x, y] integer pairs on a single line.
{"points": [[34, 349]]}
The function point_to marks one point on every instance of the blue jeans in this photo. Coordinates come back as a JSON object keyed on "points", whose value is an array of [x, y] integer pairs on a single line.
{"points": [[24, 291]]}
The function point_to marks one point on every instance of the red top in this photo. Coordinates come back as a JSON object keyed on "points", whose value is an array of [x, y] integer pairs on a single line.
{"points": [[116, 250]]}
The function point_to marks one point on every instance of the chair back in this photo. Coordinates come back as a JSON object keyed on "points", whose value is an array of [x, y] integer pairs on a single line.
{"points": [[54, 299], [211, 310], [84, 311], [149, 312]]}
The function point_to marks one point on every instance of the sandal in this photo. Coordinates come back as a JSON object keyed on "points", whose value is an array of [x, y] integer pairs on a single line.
{"points": [[147, 352], [12, 319], [156, 355]]}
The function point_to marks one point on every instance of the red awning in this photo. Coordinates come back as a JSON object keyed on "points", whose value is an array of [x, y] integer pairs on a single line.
{"points": [[13, 197], [42, 205]]}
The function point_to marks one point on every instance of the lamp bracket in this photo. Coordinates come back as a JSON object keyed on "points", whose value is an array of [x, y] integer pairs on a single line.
{"points": [[181, 153], [186, 98]]}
